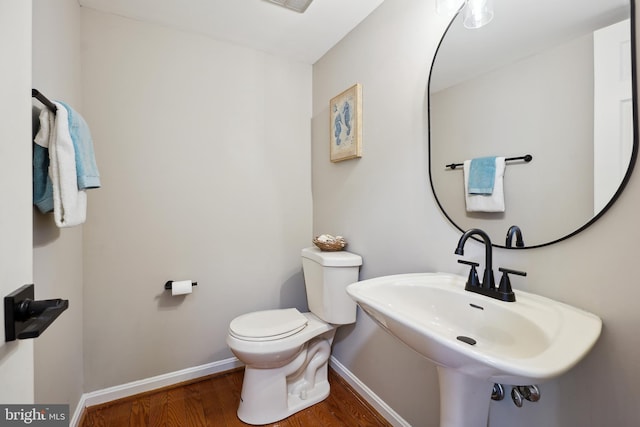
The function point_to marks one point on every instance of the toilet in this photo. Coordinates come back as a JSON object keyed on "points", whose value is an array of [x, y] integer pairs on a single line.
{"points": [[285, 352]]}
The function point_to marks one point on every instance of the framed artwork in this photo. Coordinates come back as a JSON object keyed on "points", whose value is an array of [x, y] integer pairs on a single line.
{"points": [[345, 116]]}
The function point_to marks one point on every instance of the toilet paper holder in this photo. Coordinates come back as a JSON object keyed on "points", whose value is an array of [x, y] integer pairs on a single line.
{"points": [[169, 285]]}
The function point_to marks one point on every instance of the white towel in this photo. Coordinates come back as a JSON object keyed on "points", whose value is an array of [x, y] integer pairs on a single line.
{"points": [[69, 203], [486, 202]]}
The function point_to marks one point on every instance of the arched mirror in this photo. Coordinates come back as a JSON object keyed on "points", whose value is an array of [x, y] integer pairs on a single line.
{"points": [[554, 79]]}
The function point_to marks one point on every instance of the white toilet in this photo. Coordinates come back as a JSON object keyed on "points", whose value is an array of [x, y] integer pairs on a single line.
{"points": [[286, 352]]}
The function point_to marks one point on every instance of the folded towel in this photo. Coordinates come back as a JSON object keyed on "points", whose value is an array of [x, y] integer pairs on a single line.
{"points": [[86, 168], [482, 174], [69, 203], [493, 202]]}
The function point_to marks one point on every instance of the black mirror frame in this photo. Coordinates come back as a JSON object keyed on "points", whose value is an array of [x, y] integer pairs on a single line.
{"points": [[632, 160]]}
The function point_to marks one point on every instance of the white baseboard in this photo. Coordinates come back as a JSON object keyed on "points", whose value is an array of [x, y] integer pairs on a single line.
{"points": [[136, 387], [129, 389], [367, 394]]}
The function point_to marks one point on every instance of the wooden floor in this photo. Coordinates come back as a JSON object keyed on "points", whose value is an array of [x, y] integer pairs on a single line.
{"points": [[213, 401]]}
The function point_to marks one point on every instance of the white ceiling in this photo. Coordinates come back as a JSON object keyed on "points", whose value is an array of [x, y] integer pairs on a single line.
{"points": [[258, 24]]}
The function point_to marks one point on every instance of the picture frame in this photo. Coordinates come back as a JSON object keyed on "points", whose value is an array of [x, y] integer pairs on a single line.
{"points": [[345, 125]]}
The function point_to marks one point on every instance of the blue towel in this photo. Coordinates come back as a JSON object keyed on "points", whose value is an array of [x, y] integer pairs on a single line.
{"points": [[42, 187], [86, 168], [482, 175]]}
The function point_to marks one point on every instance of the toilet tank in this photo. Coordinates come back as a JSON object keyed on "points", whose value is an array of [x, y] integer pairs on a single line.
{"points": [[326, 276]]}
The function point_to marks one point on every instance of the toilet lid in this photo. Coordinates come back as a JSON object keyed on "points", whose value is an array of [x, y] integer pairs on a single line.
{"points": [[268, 325]]}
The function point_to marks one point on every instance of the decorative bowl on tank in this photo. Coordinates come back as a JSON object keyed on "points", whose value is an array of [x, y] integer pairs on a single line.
{"points": [[329, 243]]}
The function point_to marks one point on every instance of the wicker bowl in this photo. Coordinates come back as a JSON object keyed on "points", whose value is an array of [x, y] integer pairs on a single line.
{"points": [[332, 246]]}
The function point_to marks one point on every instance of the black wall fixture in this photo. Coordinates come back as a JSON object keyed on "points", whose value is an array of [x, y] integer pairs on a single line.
{"points": [[24, 317]]}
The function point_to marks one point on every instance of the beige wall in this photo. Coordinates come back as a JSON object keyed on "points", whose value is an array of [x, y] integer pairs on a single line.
{"points": [[204, 154], [389, 216], [57, 252]]}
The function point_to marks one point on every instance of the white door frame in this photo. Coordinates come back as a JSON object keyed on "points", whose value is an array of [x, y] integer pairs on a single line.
{"points": [[16, 228]]}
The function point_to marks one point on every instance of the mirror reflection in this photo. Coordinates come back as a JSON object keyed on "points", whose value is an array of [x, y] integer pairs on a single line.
{"points": [[544, 78]]}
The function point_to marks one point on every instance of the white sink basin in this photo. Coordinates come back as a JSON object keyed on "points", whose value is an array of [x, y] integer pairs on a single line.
{"points": [[476, 340]]}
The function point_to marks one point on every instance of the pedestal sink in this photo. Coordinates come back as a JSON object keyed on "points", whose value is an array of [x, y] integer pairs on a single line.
{"points": [[477, 341]]}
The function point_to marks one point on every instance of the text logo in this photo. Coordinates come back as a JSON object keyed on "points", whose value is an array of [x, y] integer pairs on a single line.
{"points": [[34, 415]]}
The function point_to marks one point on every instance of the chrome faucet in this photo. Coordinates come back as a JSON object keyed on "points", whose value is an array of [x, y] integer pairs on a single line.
{"points": [[514, 229], [488, 281], [488, 285]]}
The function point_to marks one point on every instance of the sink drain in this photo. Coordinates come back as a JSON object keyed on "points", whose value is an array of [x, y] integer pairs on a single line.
{"points": [[467, 340]]}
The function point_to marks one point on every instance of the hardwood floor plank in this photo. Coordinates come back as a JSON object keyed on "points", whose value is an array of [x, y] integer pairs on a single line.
{"points": [[213, 411], [349, 407], [158, 404], [213, 402], [140, 412], [93, 419], [176, 411], [194, 406], [119, 414], [315, 416]]}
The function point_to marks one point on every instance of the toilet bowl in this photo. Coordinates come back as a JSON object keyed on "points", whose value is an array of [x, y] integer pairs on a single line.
{"points": [[286, 352], [276, 383]]}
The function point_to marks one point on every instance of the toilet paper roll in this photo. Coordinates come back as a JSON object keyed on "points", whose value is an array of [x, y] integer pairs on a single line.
{"points": [[181, 287]]}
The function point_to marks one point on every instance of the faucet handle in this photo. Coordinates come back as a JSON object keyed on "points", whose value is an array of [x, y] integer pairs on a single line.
{"points": [[473, 280], [510, 271], [505, 283]]}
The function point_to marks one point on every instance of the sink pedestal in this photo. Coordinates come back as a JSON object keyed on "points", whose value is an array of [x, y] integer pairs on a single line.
{"points": [[464, 400]]}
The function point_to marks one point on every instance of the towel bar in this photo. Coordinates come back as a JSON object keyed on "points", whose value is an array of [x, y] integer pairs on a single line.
{"points": [[35, 93], [527, 158]]}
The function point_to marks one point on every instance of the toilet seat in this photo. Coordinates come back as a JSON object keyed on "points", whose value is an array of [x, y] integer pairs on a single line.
{"points": [[268, 325]]}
